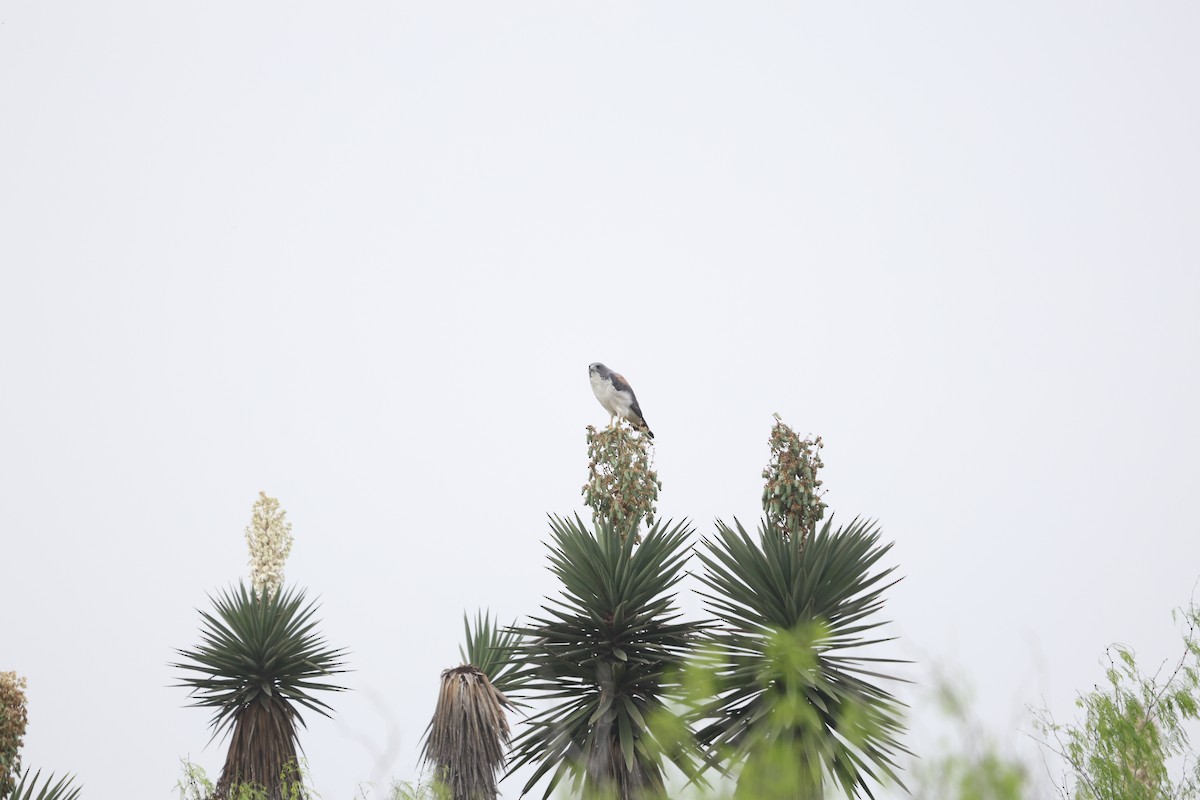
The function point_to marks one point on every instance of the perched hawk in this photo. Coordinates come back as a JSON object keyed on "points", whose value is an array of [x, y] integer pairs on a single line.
{"points": [[615, 394]]}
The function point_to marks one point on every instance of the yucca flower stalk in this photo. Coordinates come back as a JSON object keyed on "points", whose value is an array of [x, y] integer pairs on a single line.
{"points": [[792, 492], [622, 486], [269, 538], [14, 718]]}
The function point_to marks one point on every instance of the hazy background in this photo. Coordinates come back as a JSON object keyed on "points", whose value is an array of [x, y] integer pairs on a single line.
{"points": [[359, 255]]}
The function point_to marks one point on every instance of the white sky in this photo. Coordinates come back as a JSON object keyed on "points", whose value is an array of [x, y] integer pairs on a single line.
{"points": [[359, 255]]}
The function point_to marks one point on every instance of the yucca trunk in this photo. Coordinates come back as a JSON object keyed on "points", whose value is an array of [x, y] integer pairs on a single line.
{"points": [[468, 734], [262, 752], [609, 774]]}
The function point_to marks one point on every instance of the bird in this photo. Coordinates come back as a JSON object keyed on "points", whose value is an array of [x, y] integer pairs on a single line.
{"points": [[617, 397]]}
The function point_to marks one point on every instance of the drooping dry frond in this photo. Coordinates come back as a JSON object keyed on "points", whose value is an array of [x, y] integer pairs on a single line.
{"points": [[468, 734]]}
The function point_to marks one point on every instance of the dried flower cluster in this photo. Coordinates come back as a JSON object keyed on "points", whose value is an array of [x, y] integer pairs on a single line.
{"points": [[269, 536], [14, 718], [792, 495], [622, 485]]}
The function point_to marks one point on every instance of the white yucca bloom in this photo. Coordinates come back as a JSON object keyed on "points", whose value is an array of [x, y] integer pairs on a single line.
{"points": [[269, 536]]}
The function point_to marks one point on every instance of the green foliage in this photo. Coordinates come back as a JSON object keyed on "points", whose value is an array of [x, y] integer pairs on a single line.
{"points": [[790, 686], [28, 789], [605, 654], [1132, 729], [259, 659], [492, 649], [971, 766], [988, 776], [622, 485], [791, 497], [259, 651], [194, 784], [292, 784], [404, 790]]}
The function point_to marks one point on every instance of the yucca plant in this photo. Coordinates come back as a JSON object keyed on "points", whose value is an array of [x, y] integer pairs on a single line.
{"points": [[469, 733], [605, 656], [793, 696], [260, 659]]}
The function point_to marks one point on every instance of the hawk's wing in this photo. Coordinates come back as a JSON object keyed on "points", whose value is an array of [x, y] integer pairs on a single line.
{"points": [[622, 385]]}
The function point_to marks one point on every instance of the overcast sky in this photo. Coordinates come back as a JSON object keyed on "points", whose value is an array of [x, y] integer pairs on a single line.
{"points": [[359, 255]]}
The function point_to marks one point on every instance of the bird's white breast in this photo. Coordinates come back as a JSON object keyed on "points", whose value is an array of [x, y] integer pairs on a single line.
{"points": [[614, 402]]}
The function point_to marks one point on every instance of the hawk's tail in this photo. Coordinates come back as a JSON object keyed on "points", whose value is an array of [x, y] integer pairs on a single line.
{"points": [[638, 421]]}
